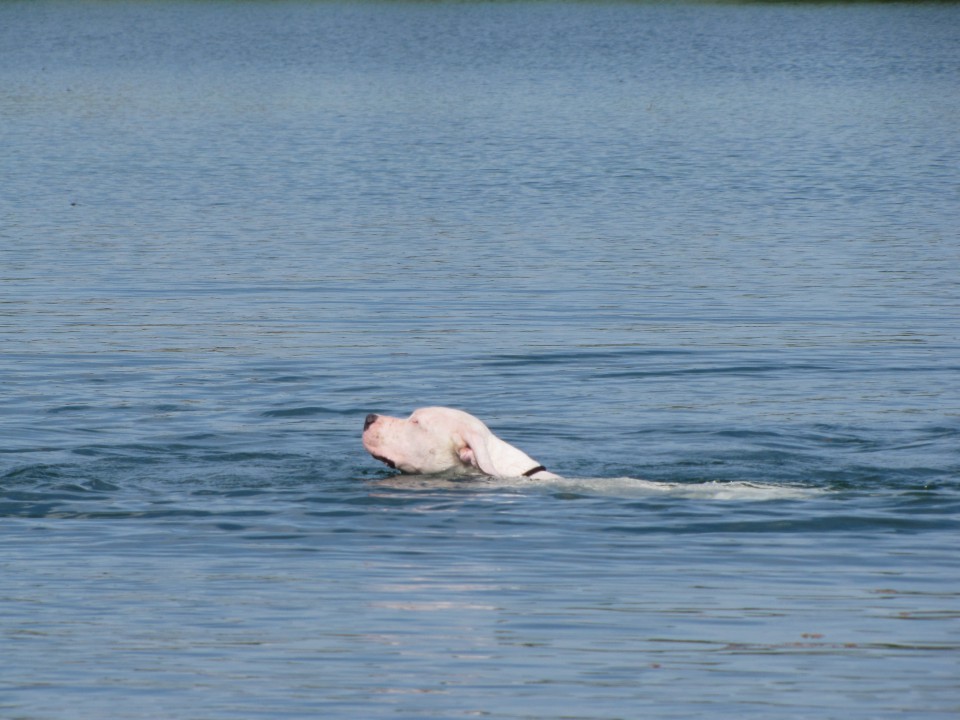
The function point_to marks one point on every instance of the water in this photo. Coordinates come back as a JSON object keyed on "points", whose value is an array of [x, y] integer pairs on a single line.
{"points": [[701, 260]]}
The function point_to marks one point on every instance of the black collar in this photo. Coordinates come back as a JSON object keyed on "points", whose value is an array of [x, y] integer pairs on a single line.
{"points": [[533, 471]]}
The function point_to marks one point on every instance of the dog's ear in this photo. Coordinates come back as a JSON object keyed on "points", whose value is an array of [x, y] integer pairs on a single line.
{"points": [[491, 455], [475, 451]]}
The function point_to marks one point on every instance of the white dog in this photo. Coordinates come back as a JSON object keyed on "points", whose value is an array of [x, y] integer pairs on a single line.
{"points": [[439, 440]]}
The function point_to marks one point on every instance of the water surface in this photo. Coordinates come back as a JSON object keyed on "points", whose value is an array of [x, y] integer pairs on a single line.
{"points": [[701, 260]]}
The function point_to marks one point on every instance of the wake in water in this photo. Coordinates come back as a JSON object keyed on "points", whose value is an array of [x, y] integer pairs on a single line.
{"points": [[612, 487]]}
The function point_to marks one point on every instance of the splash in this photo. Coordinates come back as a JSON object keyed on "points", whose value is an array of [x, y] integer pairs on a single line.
{"points": [[626, 487], [713, 490]]}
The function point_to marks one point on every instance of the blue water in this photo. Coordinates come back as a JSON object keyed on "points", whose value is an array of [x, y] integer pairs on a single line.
{"points": [[701, 260]]}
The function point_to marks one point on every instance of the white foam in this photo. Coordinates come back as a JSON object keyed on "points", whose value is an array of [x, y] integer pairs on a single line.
{"points": [[713, 490], [627, 487]]}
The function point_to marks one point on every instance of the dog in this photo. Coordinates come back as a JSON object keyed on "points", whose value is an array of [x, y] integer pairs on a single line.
{"points": [[444, 440]]}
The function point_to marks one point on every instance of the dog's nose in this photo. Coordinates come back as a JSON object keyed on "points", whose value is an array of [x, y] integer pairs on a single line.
{"points": [[371, 419]]}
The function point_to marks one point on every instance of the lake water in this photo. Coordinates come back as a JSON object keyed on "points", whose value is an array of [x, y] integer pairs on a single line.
{"points": [[701, 260]]}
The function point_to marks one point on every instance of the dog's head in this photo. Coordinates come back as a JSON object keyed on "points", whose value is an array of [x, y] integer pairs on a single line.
{"points": [[441, 440]]}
